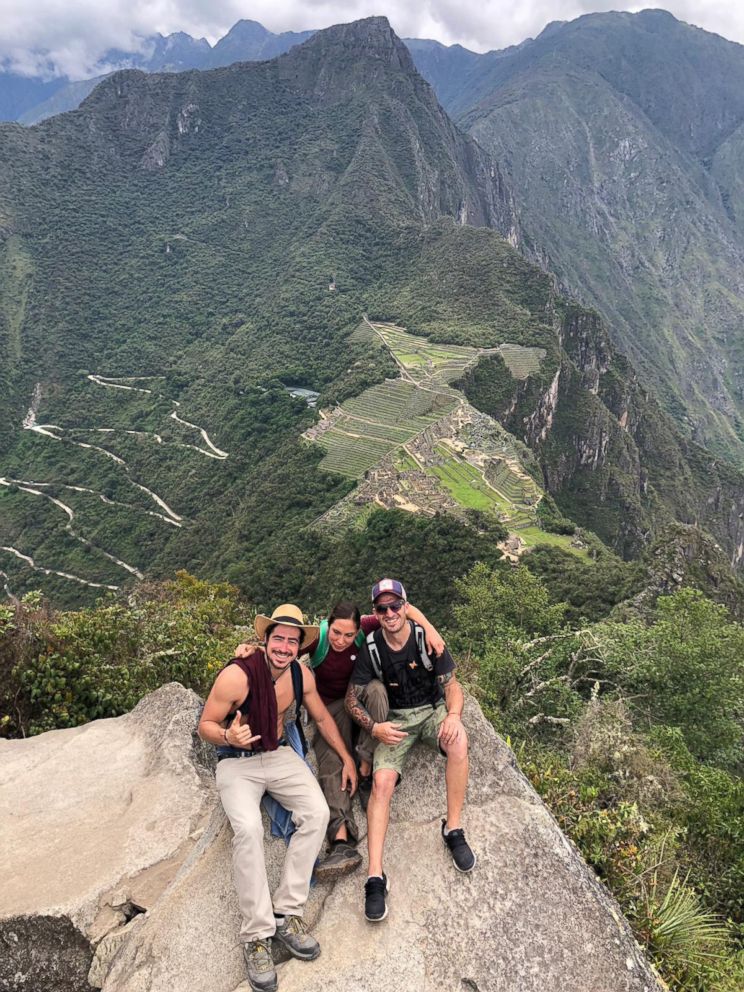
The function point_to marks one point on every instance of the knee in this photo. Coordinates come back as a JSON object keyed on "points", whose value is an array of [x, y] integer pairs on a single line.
{"points": [[314, 817], [383, 785], [247, 829], [457, 750]]}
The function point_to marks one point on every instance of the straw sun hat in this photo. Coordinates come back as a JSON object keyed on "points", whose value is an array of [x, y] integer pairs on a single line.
{"points": [[290, 616]]}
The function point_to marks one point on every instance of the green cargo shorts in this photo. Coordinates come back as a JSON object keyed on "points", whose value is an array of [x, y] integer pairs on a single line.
{"points": [[421, 723]]}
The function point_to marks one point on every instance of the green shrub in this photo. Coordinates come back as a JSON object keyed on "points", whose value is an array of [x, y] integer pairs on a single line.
{"points": [[100, 662]]}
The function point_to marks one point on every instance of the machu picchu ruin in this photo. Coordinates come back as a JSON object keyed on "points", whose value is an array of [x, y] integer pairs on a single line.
{"points": [[415, 443]]}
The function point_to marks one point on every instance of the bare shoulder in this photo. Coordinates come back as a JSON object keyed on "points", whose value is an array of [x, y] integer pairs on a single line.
{"points": [[308, 679], [228, 692], [231, 684]]}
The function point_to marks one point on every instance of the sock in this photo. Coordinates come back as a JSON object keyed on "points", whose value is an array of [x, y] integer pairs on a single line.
{"points": [[374, 876], [279, 917]]}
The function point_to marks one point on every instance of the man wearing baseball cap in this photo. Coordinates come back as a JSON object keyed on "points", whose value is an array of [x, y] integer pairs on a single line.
{"points": [[426, 704], [244, 717]]}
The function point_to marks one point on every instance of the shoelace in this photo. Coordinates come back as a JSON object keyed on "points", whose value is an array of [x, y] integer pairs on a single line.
{"points": [[455, 838], [295, 924], [261, 956]]}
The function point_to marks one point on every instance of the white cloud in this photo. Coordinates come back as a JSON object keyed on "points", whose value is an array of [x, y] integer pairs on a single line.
{"points": [[70, 36]]}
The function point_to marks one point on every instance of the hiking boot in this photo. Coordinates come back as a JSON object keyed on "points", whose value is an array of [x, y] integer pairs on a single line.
{"points": [[364, 790], [260, 965], [342, 860], [375, 906], [293, 934], [462, 856]]}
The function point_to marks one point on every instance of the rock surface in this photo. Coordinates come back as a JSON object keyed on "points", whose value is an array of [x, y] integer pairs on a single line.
{"points": [[531, 917], [95, 822]]}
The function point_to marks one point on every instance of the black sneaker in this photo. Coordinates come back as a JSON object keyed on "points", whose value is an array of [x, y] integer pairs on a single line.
{"points": [[375, 890], [462, 856], [260, 965], [364, 790]]}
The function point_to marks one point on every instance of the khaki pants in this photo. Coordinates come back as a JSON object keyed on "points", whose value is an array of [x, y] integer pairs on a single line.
{"points": [[241, 783], [374, 697]]}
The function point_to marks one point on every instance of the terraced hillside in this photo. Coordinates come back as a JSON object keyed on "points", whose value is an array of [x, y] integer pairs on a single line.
{"points": [[520, 360], [365, 429], [416, 444], [424, 363]]}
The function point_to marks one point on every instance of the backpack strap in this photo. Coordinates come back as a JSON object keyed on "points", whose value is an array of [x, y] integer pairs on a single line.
{"points": [[319, 654], [418, 633], [374, 653], [298, 694], [420, 638]]}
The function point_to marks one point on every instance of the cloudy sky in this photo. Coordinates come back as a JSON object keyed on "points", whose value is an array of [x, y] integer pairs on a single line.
{"points": [[69, 36]]}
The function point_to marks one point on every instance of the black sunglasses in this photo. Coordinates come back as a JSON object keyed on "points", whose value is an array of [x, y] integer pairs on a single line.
{"points": [[395, 607]]}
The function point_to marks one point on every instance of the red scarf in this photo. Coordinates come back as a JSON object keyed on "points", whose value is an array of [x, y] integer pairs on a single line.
{"points": [[260, 703]]}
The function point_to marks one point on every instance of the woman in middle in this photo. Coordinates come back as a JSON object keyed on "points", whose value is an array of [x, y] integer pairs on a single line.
{"points": [[332, 656]]}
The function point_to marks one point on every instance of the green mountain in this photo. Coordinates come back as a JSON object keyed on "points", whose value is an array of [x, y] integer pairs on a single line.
{"points": [[246, 41], [188, 226], [249, 41], [185, 251], [620, 135]]}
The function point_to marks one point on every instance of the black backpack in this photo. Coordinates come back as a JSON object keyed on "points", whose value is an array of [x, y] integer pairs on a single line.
{"points": [[374, 650]]}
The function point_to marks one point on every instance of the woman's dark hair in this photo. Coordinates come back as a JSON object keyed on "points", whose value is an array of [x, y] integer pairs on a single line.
{"points": [[345, 611]]}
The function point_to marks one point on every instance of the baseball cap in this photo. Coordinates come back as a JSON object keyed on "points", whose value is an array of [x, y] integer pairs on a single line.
{"points": [[388, 585]]}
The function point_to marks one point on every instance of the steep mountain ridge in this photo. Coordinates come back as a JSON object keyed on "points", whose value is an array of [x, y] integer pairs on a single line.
{"points": [[137, 125], [29, 100], [187, 226], [619, 134], [250, 41]]}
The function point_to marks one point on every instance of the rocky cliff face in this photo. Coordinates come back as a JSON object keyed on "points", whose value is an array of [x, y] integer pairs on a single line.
{"points": [[126, 879], [684, 555], [613, 460]]}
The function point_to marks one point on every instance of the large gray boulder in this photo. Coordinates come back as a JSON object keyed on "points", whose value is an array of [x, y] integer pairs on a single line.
{"points": [[95, 823], [531, 917]]}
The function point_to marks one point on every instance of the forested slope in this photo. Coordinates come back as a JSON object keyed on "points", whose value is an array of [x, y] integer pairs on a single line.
{"points": [[184, 246]]}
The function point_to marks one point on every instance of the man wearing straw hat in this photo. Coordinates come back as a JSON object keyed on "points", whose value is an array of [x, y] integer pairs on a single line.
{"points": [[244, 716]]}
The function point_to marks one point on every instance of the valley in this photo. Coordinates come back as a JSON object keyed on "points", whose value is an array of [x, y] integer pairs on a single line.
{"points": [[198, 255], [112, 474]]}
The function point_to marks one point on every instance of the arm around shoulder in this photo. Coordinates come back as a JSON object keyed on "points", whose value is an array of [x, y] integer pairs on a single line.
{"points": [[434, 640]]}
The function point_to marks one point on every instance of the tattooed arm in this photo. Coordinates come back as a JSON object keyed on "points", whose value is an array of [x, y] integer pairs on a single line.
{"points": [[387, 733], [355, 708]]}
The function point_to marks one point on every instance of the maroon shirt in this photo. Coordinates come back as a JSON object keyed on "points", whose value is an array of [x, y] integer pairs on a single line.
{"points": [[333, 674]]}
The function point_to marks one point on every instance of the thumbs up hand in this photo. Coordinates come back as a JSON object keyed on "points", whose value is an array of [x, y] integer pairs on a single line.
{"points": [[239, 734]]}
